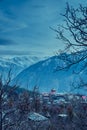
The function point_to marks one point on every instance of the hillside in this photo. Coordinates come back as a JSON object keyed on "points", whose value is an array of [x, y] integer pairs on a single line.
{"points": [[43, 75]]}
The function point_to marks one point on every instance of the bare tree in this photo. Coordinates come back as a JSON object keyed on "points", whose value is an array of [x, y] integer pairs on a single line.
{"points": [[6, 104], [73, 33], [76, 25]]}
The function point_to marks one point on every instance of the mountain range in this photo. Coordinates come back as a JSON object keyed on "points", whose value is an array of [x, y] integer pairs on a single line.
{"points": [[16, 64], [44, 76]]}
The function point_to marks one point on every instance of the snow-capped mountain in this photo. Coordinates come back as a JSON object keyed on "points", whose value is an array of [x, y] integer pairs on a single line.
{"points": [[16, 64], [43, 75]]}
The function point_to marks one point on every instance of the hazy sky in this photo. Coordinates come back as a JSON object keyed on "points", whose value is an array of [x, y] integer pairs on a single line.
{"points": [[24, 26]]}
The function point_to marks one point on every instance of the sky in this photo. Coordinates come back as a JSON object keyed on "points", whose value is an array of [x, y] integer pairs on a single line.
{"points": [[25, 26]]}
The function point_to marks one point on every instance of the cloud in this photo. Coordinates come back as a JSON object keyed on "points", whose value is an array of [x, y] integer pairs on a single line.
{"points": [[17, 52], [27, 22], [6, 42], [13, 52], [38, 6], [18, 26], [3, 17]]}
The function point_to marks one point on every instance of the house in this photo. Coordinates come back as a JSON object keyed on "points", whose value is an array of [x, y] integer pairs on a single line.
{"points": [[38, 121]]}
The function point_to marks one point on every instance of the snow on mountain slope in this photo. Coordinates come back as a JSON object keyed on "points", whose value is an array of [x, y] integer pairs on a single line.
{"points": [[43, 75], [17, 64]]}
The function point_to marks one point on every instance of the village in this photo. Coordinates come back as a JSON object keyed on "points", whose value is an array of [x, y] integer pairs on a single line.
{"points": [[44, 111], [62, 109]]}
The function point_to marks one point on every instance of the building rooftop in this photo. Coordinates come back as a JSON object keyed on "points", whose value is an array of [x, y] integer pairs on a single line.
{"points": [[36, 117]]}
